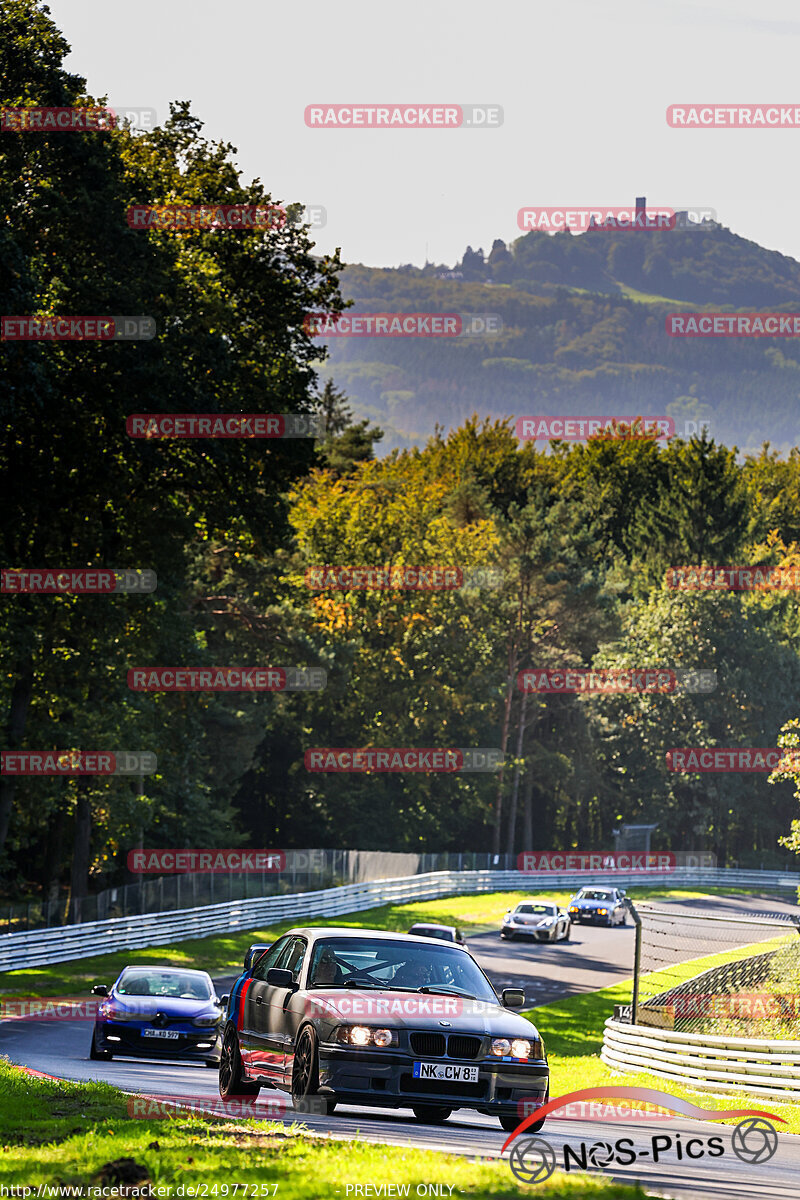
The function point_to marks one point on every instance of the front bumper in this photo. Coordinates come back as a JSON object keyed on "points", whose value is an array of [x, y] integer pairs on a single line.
{"points": [[385, 1078], [531, 931], [589, 916], [128, 1040]]}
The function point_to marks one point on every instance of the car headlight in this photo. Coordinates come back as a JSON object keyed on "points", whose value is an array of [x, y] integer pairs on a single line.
{"points": [[501, 1047], [546, 924], [206, 1022], [603, 912], [574, 908], [520, 1048], [363, 1035], [117, 1014], [507, 918]]}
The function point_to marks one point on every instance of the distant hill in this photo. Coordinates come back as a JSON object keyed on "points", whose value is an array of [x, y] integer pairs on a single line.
{"points": [[582, 332]]}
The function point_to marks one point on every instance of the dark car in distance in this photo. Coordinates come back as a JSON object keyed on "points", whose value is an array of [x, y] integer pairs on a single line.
{"points": [[159, 1012], [599, 906], [363, 1016]]}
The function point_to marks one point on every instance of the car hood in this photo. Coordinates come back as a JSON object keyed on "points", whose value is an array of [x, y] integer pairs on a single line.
{"points": [[147, 1006], [592, 903], [415, 1010], [529, 919]]}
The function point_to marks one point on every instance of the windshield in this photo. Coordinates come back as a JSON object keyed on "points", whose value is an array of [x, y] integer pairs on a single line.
{"points": [[590, 895], [184, 985], [539, 910], [373, 963]]}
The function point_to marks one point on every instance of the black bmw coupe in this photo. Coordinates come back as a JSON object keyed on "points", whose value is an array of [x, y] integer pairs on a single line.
{"points": [[367, 1017]]}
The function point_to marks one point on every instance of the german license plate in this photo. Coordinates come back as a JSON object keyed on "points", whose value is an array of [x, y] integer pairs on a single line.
{"points": [[162, 1033], [451, 1071]]}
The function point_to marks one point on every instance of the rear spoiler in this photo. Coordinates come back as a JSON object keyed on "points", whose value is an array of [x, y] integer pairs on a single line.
{"points": [[254, 954]]}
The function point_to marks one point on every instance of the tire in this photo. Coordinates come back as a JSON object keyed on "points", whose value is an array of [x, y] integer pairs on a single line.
{"points": [[212, 1062], [98, 1055], [537, 1125], [567, 931], [431, 1114], [232, 1082], [305, 1075], [509, 1121]]}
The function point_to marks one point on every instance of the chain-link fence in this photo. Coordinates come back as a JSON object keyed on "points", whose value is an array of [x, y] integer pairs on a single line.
{"points": [[727, 974], [301, 871]]}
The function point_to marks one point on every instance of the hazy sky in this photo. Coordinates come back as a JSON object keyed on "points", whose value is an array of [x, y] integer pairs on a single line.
{"points": [[584, 85]]}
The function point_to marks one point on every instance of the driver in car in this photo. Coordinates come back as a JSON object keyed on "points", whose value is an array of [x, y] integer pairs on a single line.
{"points": [[412, 974], [327, 970]]}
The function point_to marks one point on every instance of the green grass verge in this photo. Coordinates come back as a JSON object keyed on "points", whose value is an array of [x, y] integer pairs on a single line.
{"points": [[222, 954], [71, 1134], [573, 1033]]}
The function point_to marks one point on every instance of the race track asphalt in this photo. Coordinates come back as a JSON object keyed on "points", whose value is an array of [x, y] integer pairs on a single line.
{"points": [[592, 959]]}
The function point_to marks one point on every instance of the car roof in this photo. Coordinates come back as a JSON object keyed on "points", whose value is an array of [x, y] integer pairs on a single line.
{"points": [[536, 900], [432, 925], [316, 932], [145, 967]]}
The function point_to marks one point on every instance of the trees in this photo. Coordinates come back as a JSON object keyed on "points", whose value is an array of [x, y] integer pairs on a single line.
{"points": [[229, 308]]}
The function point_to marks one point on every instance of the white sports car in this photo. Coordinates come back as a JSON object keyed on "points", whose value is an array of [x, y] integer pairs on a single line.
{"points": [[538, 919]]}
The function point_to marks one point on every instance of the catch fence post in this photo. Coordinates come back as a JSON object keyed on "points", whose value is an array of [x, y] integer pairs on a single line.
{"points": [[637, 957]]}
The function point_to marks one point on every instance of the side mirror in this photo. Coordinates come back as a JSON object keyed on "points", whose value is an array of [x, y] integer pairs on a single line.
{"points": [[223, 1000], [99, 989], [508, 910], [513, 998], [253, 955], [278, 977]]}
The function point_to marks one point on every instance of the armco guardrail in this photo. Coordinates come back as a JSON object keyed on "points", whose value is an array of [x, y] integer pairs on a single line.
{"points": [[706, 1062], [36, 947]]}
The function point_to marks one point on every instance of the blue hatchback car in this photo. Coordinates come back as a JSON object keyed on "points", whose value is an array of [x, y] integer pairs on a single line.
{"points": [[159, 1012]]}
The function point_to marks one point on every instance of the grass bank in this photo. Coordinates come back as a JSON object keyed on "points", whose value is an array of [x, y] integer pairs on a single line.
{"points": [[71, 1134]]}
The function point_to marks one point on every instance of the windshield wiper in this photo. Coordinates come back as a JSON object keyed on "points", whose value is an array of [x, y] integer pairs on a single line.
{"points": [[444, 989]]}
